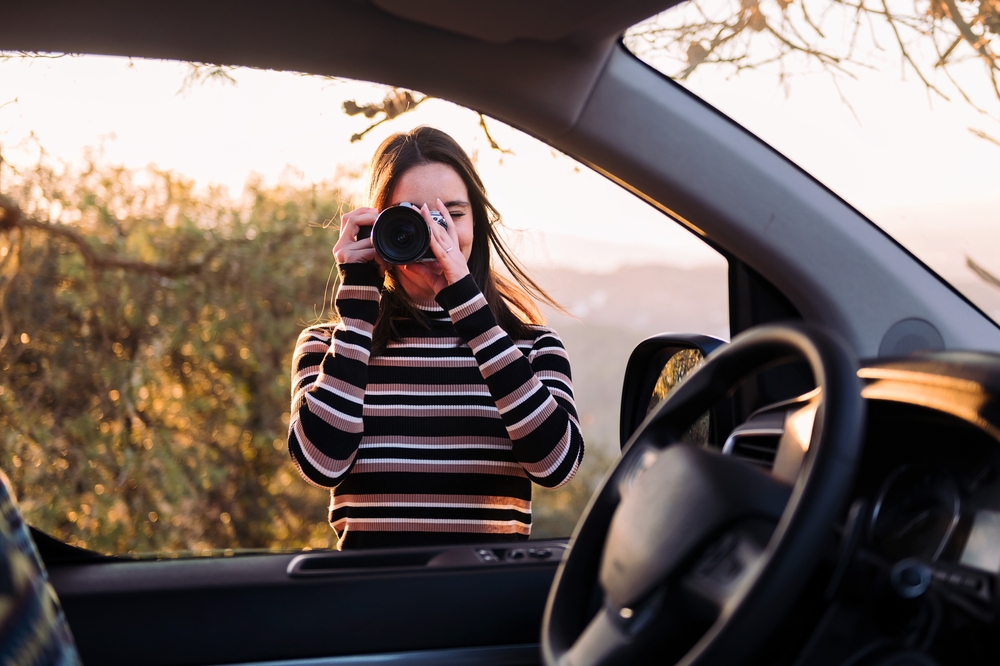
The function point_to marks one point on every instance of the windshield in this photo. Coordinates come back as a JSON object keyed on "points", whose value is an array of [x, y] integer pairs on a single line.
{"points": [[893, 106]]}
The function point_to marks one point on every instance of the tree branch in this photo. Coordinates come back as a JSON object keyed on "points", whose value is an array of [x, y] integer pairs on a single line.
{"points": [[906, 54], [395, 104], [987, 277], [983, 135], [13, 254], [943, 59], [700, 37], [11, 217], [493, 144], [975, 41], [200, 72]]}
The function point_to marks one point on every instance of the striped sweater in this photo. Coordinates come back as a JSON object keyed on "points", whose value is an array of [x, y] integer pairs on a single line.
{"points": [[438, 438]]}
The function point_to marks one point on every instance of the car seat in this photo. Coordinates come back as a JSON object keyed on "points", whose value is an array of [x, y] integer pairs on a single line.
{"points": [[33, 628]]}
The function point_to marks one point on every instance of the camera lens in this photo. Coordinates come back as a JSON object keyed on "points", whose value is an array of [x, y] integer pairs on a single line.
{"points": [[400, 235], [403, 237]]}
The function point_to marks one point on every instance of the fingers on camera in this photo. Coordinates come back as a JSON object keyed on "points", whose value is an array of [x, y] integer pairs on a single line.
{"points": [[359, 217]]}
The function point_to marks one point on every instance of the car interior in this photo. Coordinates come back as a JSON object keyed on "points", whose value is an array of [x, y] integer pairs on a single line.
{"points": [[841, 507]]}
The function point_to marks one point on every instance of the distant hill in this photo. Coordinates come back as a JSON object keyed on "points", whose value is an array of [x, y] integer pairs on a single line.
{"points": [[613, 313], [648, 299]]}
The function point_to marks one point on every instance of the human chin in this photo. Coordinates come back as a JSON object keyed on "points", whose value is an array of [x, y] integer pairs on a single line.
{"points": [[417, 280], [427, 270]]}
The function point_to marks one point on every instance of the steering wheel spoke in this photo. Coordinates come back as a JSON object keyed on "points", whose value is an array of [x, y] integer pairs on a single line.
{"points": [[618, 635], [681, 501], [730, 564], [605, 640]]}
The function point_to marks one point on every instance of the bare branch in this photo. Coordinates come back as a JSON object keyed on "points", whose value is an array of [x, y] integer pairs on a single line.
{"points": [[824, 58], [983, 135], [978, 42], [360, 135], [200, 72], [707, 35], [943, 58], [493, 144], [906, 54], [809, 21], [395, 104], [961, 89], [844, 99], [987, 277], [33, 55]]}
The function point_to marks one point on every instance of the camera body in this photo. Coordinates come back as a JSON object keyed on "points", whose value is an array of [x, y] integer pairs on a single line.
{"points": [[400, 234]]}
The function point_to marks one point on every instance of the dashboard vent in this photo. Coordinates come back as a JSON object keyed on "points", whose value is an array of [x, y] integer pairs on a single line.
{"points": [[756, 441]]}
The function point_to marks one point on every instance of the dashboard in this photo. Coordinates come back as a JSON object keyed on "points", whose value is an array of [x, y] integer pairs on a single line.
{"points": [[916, 570], [930, 475], [929, 487]]}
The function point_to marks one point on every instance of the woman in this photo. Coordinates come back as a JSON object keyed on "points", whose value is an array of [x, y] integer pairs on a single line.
{"points": [[438, 397]]}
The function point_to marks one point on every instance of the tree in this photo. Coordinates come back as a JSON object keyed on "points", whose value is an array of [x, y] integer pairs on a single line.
{"points": [[837, 35], [147, 335], [732, 33]]}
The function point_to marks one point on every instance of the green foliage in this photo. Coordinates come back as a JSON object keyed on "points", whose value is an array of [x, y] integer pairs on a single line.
{"points": [[144, 376], [143, 410], [555, 511]]}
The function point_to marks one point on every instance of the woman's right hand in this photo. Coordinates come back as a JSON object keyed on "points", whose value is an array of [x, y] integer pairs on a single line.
{"points": [[351, 251]]}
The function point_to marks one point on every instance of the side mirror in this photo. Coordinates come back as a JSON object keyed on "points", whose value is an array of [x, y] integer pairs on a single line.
{"points": [[656, 366]]}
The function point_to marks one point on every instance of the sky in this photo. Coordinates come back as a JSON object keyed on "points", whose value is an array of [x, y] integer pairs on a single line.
{"points": [[906, 160], [902, 157], [290, 127]]}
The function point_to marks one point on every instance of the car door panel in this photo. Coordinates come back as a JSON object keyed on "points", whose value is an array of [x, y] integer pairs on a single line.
{"points": [[257, 608], [507, 655]]}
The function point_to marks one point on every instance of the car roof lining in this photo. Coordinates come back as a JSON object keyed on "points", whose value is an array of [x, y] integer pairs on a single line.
{"points": [[535, 84], [505, 21]]}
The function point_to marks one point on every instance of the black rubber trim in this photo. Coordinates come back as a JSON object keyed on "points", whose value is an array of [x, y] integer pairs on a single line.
{"points": [[507, 655]]}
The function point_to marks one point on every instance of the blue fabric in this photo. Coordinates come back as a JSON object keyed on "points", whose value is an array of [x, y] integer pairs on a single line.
{"points": [[33, 629]]}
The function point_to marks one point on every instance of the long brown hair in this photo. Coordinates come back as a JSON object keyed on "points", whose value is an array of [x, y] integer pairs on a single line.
{"points": [[512, 300]]}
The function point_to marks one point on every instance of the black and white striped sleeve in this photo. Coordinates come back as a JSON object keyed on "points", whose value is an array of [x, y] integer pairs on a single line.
{"points": [[533, 393], [329, 378]]}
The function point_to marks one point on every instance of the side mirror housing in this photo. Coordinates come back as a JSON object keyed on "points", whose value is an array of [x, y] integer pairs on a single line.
{"points": [[655, 366]]}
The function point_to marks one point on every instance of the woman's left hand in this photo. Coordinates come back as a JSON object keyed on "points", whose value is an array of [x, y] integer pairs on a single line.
{"points": [[452, 265]]}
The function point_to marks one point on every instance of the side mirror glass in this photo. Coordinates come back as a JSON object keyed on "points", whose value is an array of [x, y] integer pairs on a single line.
{"points": [[657, 365], [677, 367]]}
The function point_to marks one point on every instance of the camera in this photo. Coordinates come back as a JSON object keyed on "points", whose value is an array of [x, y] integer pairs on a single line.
{"points": [[400, 234]]}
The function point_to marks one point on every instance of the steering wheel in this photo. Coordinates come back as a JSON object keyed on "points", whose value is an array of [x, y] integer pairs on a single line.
{"points": [[691, 557]]}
